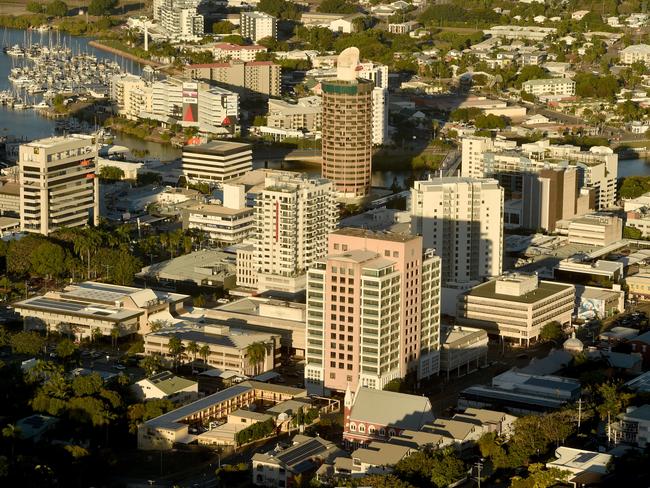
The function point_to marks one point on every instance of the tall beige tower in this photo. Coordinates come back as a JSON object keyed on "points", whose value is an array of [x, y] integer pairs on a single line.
{"points": [[347, 128], [58, 183]]}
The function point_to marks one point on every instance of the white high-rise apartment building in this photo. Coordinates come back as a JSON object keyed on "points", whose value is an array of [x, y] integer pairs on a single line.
{"points": [[462, 219], [257, 25], [180, 19], [379, 116], [597, 168], [58, 183], [293, 216], [373, 311]]}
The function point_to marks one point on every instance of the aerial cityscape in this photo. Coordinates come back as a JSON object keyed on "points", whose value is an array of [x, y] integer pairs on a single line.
{"points": [[324, 243]]}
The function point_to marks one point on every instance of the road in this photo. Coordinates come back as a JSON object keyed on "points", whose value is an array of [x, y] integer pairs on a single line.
{"points": [[451, 164]]}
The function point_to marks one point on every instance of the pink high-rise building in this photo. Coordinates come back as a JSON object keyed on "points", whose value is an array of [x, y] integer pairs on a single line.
{"points": [[373, 311]]}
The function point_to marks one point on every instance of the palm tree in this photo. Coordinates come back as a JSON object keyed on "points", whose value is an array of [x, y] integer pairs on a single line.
{"points": [[115, 333], [11, 431], [193, 348], [95, 334], [176, 348], [204, 352], [256, 353]]}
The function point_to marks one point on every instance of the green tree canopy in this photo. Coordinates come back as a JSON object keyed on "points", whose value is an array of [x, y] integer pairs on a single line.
{"points": [[337, 7], [101, 7], [111, 173], [634, 186], [223, 27], [282, 9], [27, 343], [552, 332], [48, 260], [57, 8]]}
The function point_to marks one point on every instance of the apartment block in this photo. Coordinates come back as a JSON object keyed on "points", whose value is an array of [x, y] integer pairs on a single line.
{"points": [[516, 306], [528, 32], [597, 168], [293, 216], [132, 95], [257, 25], [225, 224], [347, 128], [462, 220], [179, 19], [633, 427], [249, 78], [551, 86], [58, 184], [305, 114], [224, 51], [373, 311], [216, 161], [634, 53], [379, 116]]}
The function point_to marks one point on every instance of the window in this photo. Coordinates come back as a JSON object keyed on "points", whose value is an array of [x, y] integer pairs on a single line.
{"points": [[362, 428], [353, 427]]}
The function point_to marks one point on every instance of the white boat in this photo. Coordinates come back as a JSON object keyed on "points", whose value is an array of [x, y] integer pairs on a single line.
{"points": [[41, 106]]}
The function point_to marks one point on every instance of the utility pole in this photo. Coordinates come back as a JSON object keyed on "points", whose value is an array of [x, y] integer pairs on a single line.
{"points": [[479, 467], [579, 412]]}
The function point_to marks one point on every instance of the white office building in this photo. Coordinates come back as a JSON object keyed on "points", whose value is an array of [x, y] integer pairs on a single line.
{"points": [[462, 219], [58, 183], [218, 107], [216, 161], [257, 25]]}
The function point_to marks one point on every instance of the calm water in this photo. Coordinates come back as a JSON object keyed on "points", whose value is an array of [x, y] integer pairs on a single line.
{"points": [[31, 125]]}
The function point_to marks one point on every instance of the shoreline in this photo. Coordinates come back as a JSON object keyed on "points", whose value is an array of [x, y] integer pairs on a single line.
{"points": [[103, 47]]}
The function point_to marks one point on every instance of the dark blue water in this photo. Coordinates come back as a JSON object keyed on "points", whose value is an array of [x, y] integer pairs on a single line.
{"points": [[29, 123]]}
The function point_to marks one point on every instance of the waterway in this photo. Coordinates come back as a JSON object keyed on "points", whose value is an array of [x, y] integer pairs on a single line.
{"points": [[30, 124]]}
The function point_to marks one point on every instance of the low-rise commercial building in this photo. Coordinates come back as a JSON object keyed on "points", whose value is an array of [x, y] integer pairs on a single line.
{"points": [[588, 271], [85, 307], [225, 51], [594, 302], [462, 348], [273, 316], [206, 268], [217, 161], [595, 230], [10, 199], [638, 286], [516, 306], [228, 346], [522, 393]]}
